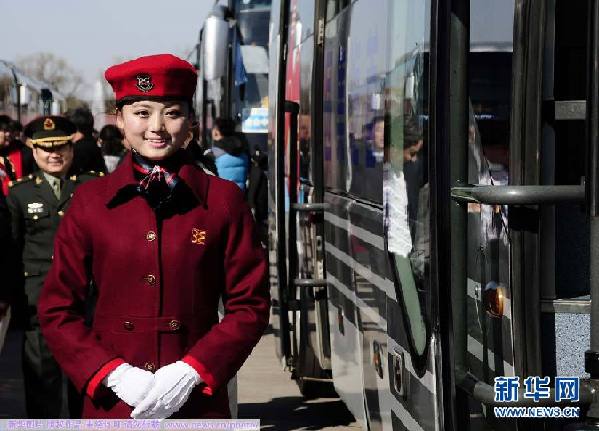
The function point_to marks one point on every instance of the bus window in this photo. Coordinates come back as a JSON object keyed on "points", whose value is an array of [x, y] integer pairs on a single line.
{"points": [[305, 17], [366, 102], [335, 6], [406, 189]]}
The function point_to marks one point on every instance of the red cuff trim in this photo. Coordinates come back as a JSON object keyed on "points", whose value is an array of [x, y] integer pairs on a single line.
{"points": [[206, 377], [106, 369]]}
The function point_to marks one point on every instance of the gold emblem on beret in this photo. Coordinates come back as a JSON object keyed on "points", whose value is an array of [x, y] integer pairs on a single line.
{"points": [[49, 124], [144, 82]]}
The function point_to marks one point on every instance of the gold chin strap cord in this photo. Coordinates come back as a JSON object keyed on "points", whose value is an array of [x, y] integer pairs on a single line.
{"points": [[52, 139]]}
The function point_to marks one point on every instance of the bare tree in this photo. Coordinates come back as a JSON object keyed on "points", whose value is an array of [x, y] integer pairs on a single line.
{"points": [[55, 71]]}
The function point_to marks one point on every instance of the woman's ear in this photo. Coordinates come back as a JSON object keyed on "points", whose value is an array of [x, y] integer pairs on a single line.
{"points": [[119, 120]]}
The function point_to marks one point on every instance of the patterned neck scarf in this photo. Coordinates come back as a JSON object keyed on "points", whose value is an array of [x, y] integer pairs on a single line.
{"points": [[153, 175]]}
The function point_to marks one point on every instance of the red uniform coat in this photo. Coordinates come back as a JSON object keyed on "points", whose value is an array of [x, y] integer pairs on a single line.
{"points": [[159, 281]]}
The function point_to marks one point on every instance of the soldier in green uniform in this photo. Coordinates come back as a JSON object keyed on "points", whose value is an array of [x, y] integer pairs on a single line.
{"points": [[37, 203]]}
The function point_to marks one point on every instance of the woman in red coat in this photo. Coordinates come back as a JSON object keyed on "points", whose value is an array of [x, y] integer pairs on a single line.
{"points": [[162, 241]]}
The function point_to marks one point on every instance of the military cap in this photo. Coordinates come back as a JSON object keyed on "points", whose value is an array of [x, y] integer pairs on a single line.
{"points": [[50, 131], [153, 76]]}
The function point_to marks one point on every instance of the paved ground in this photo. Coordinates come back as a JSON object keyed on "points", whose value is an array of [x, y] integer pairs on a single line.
{"points": [[12, 397], [265, 391]]}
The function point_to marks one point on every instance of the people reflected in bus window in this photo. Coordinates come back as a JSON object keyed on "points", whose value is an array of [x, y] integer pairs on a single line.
{"points": [[413, 169], [366, 155], [304, 136]]}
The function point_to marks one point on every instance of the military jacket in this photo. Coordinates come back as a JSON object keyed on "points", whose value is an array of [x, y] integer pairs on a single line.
{"points": [[159, 276], [35, 214]]}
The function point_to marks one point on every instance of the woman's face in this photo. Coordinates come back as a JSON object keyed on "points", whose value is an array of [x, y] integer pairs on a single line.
{"points": [[154, 129]]}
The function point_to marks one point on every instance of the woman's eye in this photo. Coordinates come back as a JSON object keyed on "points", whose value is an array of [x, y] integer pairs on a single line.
{"points": [[174, 113], [142, 113]]}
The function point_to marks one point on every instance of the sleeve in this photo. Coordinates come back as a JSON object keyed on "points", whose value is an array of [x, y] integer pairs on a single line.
{"points": [[61, 306], [16, 220], [220, 353], [12, 234]]}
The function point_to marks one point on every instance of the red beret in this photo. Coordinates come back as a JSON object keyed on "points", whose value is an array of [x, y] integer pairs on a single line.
{"points": [[161, 75]]}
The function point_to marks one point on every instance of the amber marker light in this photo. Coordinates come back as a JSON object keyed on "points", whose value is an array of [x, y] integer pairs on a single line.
{"points": [[493, 299]]}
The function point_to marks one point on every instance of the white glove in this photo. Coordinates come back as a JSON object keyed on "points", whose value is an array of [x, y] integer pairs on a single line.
{"points": [[130, 384], [173, 384]]}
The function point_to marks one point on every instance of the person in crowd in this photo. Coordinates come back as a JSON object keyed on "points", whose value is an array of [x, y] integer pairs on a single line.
{"points": [[230, 152], [198, 152], [111, 143], [257, 193], [37, 204], [163, 242], [7, 260], [88, 156], [19, 155]]}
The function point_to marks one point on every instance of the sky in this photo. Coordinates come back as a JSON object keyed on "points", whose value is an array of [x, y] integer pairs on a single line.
{"points": [[92, 35]]}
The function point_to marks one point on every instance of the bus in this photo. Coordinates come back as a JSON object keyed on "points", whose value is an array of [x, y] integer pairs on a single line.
{"points": [[235, 85], [23, 98], [433, 208]]}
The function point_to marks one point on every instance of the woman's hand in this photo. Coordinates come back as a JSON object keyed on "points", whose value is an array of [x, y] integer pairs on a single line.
{"points": [[172, 386], [130, 384]]}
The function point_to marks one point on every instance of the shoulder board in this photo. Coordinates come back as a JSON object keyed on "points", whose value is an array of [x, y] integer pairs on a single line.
{"points": [[22, 180], [87, 175]]}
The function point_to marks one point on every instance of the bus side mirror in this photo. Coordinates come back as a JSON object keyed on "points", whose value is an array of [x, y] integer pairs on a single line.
{"points": [[215, 47]]}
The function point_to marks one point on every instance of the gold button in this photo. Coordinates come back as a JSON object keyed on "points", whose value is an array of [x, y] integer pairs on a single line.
{"points": [[150, 366], [61, 213], [35, 217], [151, 235], [175, 325], [150, 279], [129, 326]]}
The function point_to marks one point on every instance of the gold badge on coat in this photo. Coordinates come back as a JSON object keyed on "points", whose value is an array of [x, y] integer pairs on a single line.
{"points": [[198, 236]]}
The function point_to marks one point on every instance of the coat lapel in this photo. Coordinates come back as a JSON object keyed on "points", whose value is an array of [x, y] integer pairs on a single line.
{"points": [[44, 191], [67, 190]]}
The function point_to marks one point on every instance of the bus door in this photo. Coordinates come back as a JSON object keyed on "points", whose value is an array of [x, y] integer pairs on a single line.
{"points": [[519, 249], [304, 210]]}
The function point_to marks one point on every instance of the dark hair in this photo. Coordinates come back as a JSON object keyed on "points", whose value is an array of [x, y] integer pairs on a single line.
{"points": [[5, 122], [225, 126], [128, 100], [15, 126], [112, 140], [412, 132], [83, 120]]}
